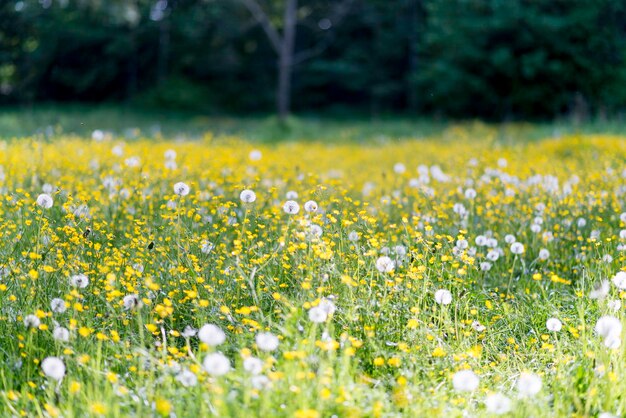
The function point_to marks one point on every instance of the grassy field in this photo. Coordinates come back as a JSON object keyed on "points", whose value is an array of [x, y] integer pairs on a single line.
{"points": [[455, 271], [130, 123]]}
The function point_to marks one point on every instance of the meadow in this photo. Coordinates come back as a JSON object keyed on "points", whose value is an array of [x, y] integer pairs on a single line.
{"points": [[466, 272]]}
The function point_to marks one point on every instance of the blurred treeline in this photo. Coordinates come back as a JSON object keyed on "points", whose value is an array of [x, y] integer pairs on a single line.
{"points": [[502, 59]]}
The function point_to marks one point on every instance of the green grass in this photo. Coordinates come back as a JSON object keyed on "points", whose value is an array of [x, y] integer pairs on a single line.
{"points": [[127, 121]]}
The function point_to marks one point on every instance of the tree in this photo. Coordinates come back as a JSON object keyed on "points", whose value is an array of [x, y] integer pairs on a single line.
{"points": [[284, 43]]}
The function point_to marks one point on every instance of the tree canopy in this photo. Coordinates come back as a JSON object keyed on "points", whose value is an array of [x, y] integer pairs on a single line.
{"points": [[500, 59]]}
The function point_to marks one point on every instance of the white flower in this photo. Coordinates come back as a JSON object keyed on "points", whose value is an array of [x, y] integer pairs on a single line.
{"points": [[385, 264], [187, 378], [79, 280], [399, 168], [266, 341], [608, 326], [189, 332], [53, 367], [170, 154], [509, 239], [260, 382], [255, 155], [131, 302], [478, 327], [97, 135], [32, 321], [493, 255], [353, 236], [291, 207], [61, 334], [310, 206], [211, 335], [485, 266], [614, 305], [465, 381], [613, 341], [443, 297], [517, 248], [528, 384], [181, 189], [57, 305], [45, 201], [553, 324], [481, 240], [317, 315], [619, 280], [601, 291], [498, 404], [206, 247], [470, 193], [544, 254], [327, 305], [216, 364], [606, 415], [247, 196], [253, 365]]}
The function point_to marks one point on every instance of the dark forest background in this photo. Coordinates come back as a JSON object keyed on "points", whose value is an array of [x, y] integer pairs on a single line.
{"points": [[492, 59]]}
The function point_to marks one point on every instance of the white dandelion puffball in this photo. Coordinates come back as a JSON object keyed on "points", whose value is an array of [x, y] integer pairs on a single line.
{"points": [[131, 302], [253, 365], [544, 254], [317, 315], [53, 367], [509, 239], [600, 291], [310, 206], [216, 364], [528, 384], [517, 248], [608, 326], [57, 305], [465, 381], [553, 324], [211, 335], [247, 196], [327, 305], [170, 154], [206, 247], [79, 280], [266, 341], [613, 341], [32, 321], [619, 280], [61, 334], [181, 189], [498, 404], [614, 305], [255, 155], [187, 378], [443, 297], [45, 201], [385, 264], [189, 332], [291, 207]]}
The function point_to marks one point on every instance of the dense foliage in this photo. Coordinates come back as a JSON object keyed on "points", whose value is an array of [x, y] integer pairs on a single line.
{"points": [[488, 58]]}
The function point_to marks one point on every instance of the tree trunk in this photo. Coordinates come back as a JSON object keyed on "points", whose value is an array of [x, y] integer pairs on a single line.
{"points": [[285, 60]]}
